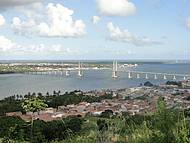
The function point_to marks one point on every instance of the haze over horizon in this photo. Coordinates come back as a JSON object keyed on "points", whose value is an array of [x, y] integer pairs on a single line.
{"points": [[94, 29]]}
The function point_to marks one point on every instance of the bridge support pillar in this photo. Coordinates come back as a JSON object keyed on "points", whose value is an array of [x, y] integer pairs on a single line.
{"points": [[129, 75], [155, 76], [67, 73], [146, 76]]}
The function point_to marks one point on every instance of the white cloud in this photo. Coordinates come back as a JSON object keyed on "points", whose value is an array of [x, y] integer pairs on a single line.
{"points": [[2, 20], [95, 19], [33, 14], [188, 23], [10, 3], [60, 23], [116, 7], [6, 44], [23, 27], [8, 47], [116, 34], [56, 21], [33, 10]]}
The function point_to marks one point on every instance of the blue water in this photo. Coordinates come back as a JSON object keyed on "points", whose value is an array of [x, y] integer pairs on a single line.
{"points": [[93, 79]]}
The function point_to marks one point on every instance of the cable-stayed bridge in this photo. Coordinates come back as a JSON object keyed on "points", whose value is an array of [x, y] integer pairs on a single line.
{"points": [[115, 73], [155, 75], [147, 75]]}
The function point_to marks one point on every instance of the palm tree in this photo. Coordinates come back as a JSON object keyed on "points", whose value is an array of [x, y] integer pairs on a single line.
{"points": [[47, 94], [17, 97], [33, 94], [33, 105], [21, 97], [54, 92], [58, 92]]}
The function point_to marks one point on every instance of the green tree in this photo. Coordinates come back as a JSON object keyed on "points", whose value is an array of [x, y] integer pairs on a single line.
{"points": [[11, 128], [165, 120], [33, 105]]}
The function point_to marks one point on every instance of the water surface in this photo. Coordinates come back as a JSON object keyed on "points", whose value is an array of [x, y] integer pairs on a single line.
{"points": [[93, 79]]}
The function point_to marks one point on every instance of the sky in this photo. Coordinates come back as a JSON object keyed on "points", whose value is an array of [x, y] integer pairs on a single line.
{"points": [[94, 29]]}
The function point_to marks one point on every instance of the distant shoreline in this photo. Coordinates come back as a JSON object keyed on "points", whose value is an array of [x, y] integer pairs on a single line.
{"points": [[10, 72]]}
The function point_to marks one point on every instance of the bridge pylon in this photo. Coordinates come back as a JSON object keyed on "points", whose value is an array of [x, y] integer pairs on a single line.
{"points": [[114, 69], [80, 74]]}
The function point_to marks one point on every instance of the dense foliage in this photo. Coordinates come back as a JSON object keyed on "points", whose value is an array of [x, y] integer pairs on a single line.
{"points": [[179, 84], [10, 105], [72, 98], [13, 128], [163, 126], [148, 83], [14, 103]]}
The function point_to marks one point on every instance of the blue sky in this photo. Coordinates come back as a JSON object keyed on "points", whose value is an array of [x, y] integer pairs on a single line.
{"points": [[121, 29]]}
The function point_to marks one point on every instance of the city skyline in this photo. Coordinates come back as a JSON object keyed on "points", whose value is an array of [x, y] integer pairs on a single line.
{"points": [[95, 29]]}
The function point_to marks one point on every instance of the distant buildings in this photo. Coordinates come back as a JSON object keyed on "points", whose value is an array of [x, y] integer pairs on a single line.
{"points": [[137, 100]]}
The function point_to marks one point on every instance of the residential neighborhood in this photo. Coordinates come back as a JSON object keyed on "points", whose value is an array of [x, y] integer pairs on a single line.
{"points": [[136, 100]]}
